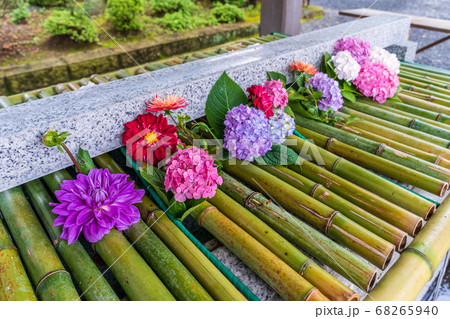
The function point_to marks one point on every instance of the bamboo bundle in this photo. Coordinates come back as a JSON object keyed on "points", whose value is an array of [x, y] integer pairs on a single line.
{"points": [[404, 76], [413, 123], [46, 271], [430, 87], [346, 263], [14, 282], [419, 261], [422, 67], [428, 78], [425, 95], [364, 178], [423, 73], [399, 128], [432, 158], [282, 278], [424, 104], [398, 136], [334, 224], [374, 224], [393, 163], [181, 283], [197, 263], [131, 271], [88, 278], [306, 267]]}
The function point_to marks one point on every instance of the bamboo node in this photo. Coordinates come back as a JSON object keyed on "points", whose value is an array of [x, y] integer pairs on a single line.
{"points": [[335, 164], [329, 141], [423, 256], [51, 273], [381, 148], [412, 123], [249, 198], [313, 190], [202, 215], [8, 247], [304, 266], [151, 215], [438, 117], [329, 222]]}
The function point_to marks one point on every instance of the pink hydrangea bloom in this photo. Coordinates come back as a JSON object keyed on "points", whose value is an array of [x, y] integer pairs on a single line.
{"points": [[359, 49], [377, 80], [279, 94], [192, 173]]}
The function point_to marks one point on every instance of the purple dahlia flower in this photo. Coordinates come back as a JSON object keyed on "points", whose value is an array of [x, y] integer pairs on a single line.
{"points": [[358, 48], [247, 133], [331, 94], [96, 203]]}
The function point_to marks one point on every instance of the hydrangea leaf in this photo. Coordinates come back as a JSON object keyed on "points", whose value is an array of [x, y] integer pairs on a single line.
{"points": [[349, 96], [225, 94], [177, 209], [85, 161], [277, 76], [279, 155], [190, 210], [153, 176]]}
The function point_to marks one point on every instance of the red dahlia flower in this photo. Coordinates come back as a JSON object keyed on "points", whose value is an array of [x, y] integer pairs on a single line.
{"points": [[150, 138], [172, 102], [303, 67], [261, 99]]}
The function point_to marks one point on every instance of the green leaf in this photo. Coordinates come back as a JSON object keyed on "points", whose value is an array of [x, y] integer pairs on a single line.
{"points": [[349, 96], [395, 98], [177, 209], [277, 76], [189, 211], [279, 155], [301, 80], [288, 111], [161, 194], [225, 94], [296, 96], [85, 161], [352, 118], [298, 108], [153, 176], [317, 95]]}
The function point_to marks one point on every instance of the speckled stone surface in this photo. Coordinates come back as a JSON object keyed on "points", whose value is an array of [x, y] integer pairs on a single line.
{"points": [[95, 115], [405, 50]]}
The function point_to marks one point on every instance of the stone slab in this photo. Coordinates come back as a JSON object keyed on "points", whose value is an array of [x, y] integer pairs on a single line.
{"points": [[405, 50], [95, 115]]}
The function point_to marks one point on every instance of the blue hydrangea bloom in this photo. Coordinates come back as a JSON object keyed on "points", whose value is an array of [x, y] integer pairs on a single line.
{"points": [[281, 125], [331, 94], [247, 133]]}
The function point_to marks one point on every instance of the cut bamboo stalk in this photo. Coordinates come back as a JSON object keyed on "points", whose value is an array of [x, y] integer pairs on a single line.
{"points": [[46, 271], [365, 178], [397, 136], [410, 122], [334, 224], [419, 261], [181, 283], [431, 87], [306, 267], [426, 96], [405, 130], [432, 158], [399, 165], [428, 78], [422, 80], [86, 275], [426, 68], [426, 92], [424, 104], [282, 278], [341, 260], [374, 224], [14, 282], [423, 73], [198, 264], [131, 271]]}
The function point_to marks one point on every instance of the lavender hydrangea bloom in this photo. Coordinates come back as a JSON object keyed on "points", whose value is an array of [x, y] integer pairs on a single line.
{"points": [[247, 133], [96, 203], [281, 125], [331, 94], [358, 48]]}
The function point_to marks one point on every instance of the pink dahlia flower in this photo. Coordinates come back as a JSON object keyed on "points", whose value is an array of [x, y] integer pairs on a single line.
{"points": [[96, 203], [377, 81], [261, 99], [192, 173], [276, 89]]}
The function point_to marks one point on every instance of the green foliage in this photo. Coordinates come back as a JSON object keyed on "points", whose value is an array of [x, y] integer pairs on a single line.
{"points": [[72, 23], [94, 7], [85, 161], [50, 3], [7, 6], [125, 15], [162, 7], [228, 13], [19, 14], [279, 155], [277, 76], [238, 3]]}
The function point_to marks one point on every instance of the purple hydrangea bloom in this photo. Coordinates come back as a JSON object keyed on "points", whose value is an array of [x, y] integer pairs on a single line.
{"points": [[247, 133], [96, 203], [331, 94], [358, 48], [281, 125]]}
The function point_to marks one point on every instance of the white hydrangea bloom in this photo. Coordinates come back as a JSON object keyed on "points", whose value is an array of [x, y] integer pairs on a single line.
{"points": [[345, 66], [380, 55]]}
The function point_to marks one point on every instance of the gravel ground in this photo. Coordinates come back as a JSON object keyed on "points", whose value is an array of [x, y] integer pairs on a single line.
{"points": [[435, 56]]}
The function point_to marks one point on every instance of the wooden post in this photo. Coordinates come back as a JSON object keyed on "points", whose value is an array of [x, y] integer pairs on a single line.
{"points": [[281, 16]]}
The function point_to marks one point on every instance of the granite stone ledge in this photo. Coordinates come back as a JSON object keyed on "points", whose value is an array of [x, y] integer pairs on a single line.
{"points": [[95, 115], [405, 50]]}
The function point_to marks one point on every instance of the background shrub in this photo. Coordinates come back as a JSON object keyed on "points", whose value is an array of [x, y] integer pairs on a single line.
{"points": [[21, 13], [72, 23], [169, 6], [180, 21], [7, 5], [227, 13], [49, 3], [239, 3], [94, 6], [125, 14]]}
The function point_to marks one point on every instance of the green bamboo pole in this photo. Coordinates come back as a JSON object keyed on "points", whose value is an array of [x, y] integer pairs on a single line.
{"points": [[427, 78], [422, 67], [399, 128], [198, 264], [334, 224], [430, 87], [422, 80], [394, 163], [282, 278], [131, 271], [14, 282], [46, 271], [410, 122], [423, 73], [86, 275], [425, 95], [364, 178], [424, 104], [419, 261], [374, 224], [306, 267], [181, 283], [429, 157], [346, 263], [397, 136]]}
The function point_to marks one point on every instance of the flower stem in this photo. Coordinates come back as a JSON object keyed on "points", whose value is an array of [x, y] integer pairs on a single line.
{"points": [[71, 157], [184, 132]]}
